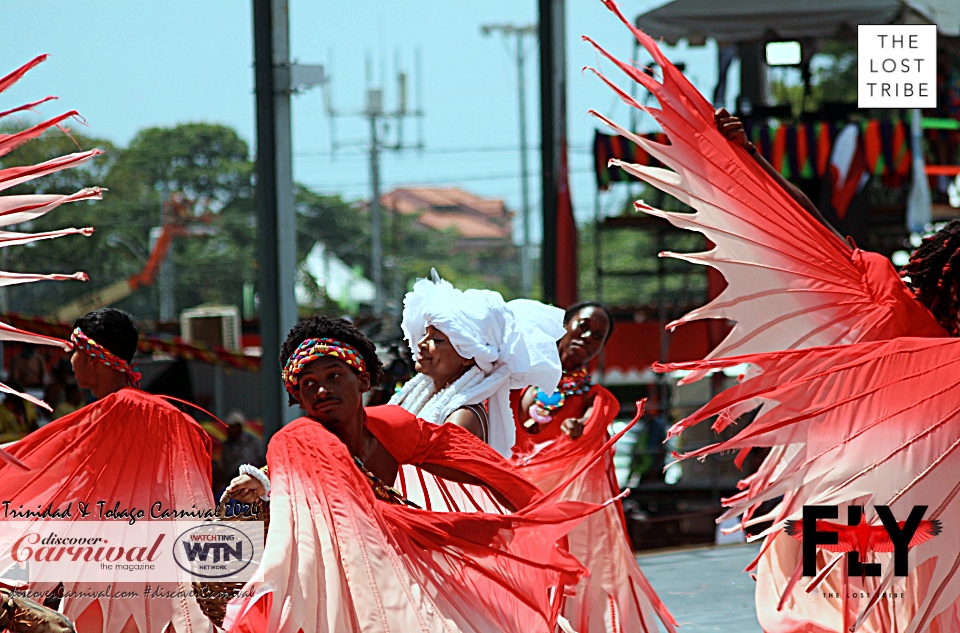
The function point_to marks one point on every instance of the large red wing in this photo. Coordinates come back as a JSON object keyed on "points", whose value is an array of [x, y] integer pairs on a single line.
{"points": [[871, 423], [791, 282], [926, 531], [846, 537]]}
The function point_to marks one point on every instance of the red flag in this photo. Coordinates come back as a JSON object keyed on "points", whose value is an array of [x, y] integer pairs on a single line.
{"points": [[566, 236]]}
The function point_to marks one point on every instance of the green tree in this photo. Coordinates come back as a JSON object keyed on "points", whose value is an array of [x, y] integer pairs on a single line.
{"points": [[65, 254], [635, 275], [206, 168]]}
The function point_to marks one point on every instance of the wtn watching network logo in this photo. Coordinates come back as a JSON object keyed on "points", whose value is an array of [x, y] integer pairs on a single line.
{"points": [[858, 538], [213, 550]]}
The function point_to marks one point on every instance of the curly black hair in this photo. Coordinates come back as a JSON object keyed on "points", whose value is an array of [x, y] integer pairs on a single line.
{"points": [[113, 329], [335, 328], [933, 274], [573, 310]]}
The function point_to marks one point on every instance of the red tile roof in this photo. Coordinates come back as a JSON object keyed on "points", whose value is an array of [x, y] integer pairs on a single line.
{"points": [[444, 208]]}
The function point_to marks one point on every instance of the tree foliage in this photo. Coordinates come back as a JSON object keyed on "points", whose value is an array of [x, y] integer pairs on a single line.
{"points": [[208, 169]]}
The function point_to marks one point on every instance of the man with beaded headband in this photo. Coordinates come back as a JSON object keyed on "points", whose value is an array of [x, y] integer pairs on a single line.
{"points": [[104, 343], [346, 552], [127, 448]]}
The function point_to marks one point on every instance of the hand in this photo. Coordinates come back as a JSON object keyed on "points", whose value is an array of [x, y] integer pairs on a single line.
{"points": [[6, 609], [732, 128], [573, 427], [245, 489]]}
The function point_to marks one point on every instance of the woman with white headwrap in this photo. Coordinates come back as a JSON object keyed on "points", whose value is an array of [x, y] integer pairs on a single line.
{"points": [[473, 347]]}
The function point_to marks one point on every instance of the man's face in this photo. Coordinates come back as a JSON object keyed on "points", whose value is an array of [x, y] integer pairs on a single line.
{"points": [[83, 369], [330, 391]]}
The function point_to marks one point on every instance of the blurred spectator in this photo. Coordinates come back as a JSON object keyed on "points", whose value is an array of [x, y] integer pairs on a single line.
{"points": [[72, 400], [61, 375], [28, 369], [17, 416], [239, 448]]}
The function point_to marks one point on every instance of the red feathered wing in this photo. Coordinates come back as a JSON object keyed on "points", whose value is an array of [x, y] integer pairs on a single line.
{"points": [[22, 208], [129, 448], [337, 559], [866, 424], [791, 282]]}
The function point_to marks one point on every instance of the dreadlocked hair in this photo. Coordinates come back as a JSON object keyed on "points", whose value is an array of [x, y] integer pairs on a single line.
{"points": [[338, 329], [933, 274]]}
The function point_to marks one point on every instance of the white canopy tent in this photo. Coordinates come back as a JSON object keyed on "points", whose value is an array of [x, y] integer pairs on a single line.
{"points": [[729, 21]]}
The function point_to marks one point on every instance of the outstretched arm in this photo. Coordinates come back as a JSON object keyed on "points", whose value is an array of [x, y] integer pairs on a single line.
{"points": [[451, 452], [732, 128]]}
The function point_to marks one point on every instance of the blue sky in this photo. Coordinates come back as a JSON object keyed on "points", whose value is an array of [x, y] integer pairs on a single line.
{"points": [[130, 64]]}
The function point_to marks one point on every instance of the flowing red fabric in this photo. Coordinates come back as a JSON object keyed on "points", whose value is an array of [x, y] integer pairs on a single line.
{"points": [[616, 597], [859, 415], [130, 448], [413, 442], [336, 559]]}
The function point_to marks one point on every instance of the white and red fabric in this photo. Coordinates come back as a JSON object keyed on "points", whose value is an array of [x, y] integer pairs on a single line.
{"points": [[132, 449], [616, 597], [337, 559]]}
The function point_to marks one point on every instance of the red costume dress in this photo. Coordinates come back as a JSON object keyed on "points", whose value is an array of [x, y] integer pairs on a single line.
{"points": [[855, 412], [337, 559], [129, 448], [616, 596]]}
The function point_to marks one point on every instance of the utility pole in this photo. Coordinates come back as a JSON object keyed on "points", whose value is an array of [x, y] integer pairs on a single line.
{"points": [[375, 113], [526, 259], [553, 133], [167, 274], [275, 80]]}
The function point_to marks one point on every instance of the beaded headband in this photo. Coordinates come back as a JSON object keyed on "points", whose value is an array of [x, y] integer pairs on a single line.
{"points": [[313, 348], [101, 354]]}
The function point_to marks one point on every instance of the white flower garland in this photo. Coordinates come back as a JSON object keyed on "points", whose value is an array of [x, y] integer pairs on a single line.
{"points": [[420, 397], [259, 475]]}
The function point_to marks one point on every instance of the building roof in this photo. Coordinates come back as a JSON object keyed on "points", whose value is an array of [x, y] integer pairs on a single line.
{"points": [[470, 215], [745, 20]]}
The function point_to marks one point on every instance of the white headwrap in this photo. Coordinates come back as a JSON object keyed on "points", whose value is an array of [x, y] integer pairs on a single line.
{"points": [[513, 344]]}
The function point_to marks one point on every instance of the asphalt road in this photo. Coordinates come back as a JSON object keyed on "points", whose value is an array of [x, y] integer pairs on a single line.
{"points": [[706, 588]]}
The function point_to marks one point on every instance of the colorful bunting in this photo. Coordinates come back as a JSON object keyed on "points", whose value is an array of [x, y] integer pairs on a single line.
{"points": [[799, 150]]}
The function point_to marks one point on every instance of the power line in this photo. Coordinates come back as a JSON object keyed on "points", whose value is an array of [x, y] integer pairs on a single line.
{"points": [[439, 181], [363, 150]]}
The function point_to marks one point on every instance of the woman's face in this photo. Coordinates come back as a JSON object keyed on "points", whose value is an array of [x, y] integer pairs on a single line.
{"points": [[437, 359], [586, 334]]}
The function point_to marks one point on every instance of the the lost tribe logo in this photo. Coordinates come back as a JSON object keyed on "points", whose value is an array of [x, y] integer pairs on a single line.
{"points": [[213, 550], [858, 538]]}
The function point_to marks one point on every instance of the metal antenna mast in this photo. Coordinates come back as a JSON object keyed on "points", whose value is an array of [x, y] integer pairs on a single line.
{"points": [[507, 31], [375, 113]]}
